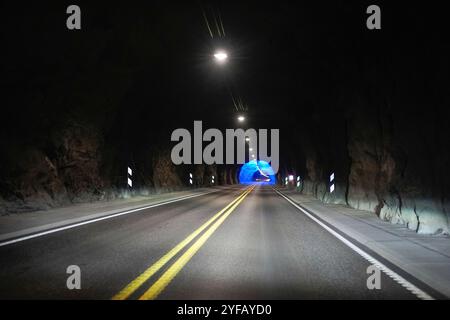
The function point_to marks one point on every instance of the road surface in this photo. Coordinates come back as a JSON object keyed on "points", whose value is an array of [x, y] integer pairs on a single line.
{"points": [[240, 243]]}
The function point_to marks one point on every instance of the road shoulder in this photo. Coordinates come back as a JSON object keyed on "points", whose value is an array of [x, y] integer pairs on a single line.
{"points": [[24, 224], [425, 257]]}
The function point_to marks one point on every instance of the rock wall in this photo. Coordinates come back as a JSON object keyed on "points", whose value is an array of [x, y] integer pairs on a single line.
{"points": [[63, 170], [73, 164], [79, 109], [397, 173], [377, 116]]}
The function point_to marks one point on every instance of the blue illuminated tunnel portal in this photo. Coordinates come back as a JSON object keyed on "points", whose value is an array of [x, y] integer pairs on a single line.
{"points": [[257, 172]]}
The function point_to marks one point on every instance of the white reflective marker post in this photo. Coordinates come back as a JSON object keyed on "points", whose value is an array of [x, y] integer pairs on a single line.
{"points": [[130, 174], [190, 179], [332, 183]]}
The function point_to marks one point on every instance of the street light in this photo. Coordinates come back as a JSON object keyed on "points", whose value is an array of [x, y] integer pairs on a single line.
{"points": [[221, 56], [241, 118]]}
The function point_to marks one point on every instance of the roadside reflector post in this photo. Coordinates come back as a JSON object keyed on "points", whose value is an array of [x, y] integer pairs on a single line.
{"points": [[191, 182], [332, 183], [129, 176]]}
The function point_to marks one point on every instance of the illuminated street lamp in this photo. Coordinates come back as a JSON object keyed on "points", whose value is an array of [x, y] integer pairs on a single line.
{"points": [[241, 118], [221, 56]]}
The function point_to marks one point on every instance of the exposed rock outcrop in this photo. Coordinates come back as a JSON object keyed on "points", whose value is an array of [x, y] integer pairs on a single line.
{"points": [[386, 172], [74, 166], [165, 177]]}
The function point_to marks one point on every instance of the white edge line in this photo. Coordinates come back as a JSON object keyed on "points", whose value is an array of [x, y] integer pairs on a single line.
{"points": [[70, 226], [396, 277]]}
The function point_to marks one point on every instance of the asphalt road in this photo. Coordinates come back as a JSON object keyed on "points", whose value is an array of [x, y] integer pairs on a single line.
{"points": [[260, 247]]}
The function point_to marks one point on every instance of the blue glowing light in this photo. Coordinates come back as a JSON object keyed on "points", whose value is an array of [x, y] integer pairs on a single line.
{"points": [[257, 172]]}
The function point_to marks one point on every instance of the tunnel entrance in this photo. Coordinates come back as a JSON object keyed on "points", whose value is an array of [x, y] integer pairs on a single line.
{"points": [[256, 172]]}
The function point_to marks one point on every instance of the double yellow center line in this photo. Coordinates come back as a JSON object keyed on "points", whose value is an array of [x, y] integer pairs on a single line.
{"points": [[158, 286]]}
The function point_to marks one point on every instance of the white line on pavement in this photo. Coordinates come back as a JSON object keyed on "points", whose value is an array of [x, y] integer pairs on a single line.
{"points": [[70, 226], [393, 275]]}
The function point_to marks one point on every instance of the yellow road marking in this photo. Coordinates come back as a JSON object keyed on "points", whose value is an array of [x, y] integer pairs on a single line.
{"points": [[143, 277], [176, 267]]}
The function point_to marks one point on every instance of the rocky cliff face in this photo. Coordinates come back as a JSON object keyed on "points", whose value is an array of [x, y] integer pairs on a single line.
{"points": [[78, 160], [382, 128], [83, 106], [383, 165], [63, 170], [74, 164]]}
